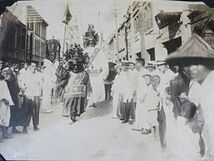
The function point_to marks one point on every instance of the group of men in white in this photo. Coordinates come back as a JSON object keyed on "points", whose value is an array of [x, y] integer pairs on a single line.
{"points": [[173, 103], [138, 93]]}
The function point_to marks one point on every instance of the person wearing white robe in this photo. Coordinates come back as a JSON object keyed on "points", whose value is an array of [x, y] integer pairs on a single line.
{"points": [[5, 103], [116, 91], [139, 86], [98, 72], [140, 92], [155, 95], [5, 110], [207, 105], [48, 85], [144, 97]]}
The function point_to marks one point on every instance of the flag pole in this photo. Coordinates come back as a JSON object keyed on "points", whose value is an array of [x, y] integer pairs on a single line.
{"points": [[63, 47], [67, 18]]}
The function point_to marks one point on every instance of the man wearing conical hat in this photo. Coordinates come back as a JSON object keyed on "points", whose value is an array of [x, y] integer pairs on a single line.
{"points": [[196, 60]]}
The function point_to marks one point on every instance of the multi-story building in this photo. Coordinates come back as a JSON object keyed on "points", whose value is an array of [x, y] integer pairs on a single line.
{"points": [[12, 38], [172, 27], [35, 35], [138, 20], [153, 30]]}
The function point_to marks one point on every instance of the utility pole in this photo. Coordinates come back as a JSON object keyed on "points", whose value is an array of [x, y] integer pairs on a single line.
{"points": [[115, 13]]}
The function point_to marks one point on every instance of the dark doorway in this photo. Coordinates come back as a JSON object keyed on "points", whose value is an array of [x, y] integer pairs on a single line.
{"points": [[172, 45], [151, 53]]}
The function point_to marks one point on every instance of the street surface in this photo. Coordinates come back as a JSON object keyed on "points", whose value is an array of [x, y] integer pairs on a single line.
{"points": [[96, 136]]}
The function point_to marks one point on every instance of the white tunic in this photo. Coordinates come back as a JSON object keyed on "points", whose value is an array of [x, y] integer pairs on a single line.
{"points": [[23, 75], [33, 84], [140, 94], [126, 87], [207, 105], [149, 101], [98, 72], [5, 109], [49, 80], [116, 89]]}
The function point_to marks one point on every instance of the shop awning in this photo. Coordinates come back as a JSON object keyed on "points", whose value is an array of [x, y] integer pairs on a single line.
{"points": [[166, 18]]}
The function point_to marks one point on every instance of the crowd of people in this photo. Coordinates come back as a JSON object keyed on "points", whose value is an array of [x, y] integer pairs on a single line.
{"points": [[170, 100], [139, 91], [24, 89], [27, 88]]}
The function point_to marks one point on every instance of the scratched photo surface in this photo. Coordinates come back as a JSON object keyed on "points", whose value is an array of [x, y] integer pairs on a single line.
{"points": [[107, 80]]}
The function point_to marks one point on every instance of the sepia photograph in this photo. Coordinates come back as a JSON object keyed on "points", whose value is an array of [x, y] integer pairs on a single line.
{"points": [[107, 80]]}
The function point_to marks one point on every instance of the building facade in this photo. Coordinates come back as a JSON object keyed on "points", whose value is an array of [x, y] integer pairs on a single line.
{"points": [[33, 39], [12, 38], [36, 36], [153, 30], [137, 21]]}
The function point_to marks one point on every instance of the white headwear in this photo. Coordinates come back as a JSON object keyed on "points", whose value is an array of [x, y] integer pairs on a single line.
{"points": [[146, 72]]}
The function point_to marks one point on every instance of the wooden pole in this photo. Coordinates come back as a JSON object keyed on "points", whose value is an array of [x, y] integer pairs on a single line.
{"points": [[63, 47]]}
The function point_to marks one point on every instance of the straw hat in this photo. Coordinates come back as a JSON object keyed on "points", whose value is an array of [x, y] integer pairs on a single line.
{"points": [[195, 48]]}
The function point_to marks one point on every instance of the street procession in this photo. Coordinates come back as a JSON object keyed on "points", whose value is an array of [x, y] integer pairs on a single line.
{"points": [[107, 80]]}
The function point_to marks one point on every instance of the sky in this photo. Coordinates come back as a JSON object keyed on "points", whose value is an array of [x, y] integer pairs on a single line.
{"points": [[97, 12]]}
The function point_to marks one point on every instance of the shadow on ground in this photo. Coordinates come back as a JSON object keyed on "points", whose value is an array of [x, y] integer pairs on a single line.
{"points": [[103, 108]]}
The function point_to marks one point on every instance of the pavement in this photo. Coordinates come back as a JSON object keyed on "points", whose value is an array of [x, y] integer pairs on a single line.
{"points": [[94, 137]]}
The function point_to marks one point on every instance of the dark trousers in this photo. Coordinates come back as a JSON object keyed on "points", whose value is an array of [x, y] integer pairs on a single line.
{"points": [[127, 111], [132, 112], [15, 116], [4, 130], [32, 107], [108, 91]]}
